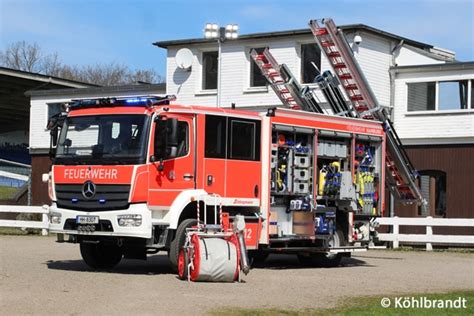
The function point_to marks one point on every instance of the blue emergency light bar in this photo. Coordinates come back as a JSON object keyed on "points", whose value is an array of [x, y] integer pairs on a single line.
{"points": [[149, 100]]}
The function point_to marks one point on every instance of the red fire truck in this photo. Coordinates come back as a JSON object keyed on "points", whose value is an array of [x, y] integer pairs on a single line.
{"points": [[127, 176], [131, 175]]}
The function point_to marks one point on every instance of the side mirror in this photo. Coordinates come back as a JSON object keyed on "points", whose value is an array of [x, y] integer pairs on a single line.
{"points": [[54, 136], [154, 159], [54, 124]]}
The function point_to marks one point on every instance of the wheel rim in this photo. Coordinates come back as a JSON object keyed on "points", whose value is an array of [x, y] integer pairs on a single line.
{"points": [[181, 264], [333, 242]]}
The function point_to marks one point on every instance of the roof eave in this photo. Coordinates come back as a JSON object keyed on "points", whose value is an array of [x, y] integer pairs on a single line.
{"points": [[44, 78], [349, 27]]}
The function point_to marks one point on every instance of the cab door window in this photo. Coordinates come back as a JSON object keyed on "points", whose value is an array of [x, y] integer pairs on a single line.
{"points": [[162, 150], [232, 138]]}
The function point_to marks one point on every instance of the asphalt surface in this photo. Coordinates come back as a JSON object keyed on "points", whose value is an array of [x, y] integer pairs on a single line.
{"points": [[39, 276]]}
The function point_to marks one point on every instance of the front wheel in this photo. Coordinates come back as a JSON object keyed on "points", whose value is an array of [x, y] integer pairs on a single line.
{"points": [[100, 256]]}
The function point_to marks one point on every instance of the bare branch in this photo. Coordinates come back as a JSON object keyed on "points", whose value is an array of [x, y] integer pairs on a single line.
{"points": [[29, 57]]}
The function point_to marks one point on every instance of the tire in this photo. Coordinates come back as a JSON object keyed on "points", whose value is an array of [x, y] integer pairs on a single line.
{"points": [[178, 241], [328, 260], [257, 257], [100, 256]]}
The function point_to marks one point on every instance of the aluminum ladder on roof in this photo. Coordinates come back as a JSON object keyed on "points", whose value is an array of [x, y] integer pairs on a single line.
{"points": [[292, 94], [401, 175], [283, 82]]}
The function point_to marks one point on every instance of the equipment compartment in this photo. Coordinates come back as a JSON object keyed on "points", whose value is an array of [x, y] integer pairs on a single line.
{"points": [[291, 161]]}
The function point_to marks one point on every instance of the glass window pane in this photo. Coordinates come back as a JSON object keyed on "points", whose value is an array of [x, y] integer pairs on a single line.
{"points": [[242, 140], [425, 192], [183, 139], [452, 95], [256, 77], [103, 139], [310, 53], [215, 137], [209, 70], [472, 94], [54, 108], [433, 189], [421, 96]]}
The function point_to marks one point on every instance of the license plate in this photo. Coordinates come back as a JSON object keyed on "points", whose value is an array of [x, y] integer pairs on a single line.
{"points": [[83, 219]]}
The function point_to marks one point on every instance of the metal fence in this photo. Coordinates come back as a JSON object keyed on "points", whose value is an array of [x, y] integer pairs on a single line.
{"points": [[17, 176]]}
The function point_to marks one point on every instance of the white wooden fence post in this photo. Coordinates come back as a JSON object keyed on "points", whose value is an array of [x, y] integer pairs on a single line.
{"points": [[429, 232], [45, 220], [396, 226]]}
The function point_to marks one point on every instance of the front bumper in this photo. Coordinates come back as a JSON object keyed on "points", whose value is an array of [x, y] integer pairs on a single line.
{"points": [[142, 231]]}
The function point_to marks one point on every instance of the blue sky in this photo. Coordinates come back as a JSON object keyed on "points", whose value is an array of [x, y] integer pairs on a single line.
{"points": [[122, 31]]}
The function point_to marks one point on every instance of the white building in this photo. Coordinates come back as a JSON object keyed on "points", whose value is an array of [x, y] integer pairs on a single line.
{"points": [[429, 93]]}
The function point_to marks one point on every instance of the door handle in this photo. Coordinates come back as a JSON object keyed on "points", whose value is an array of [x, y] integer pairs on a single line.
{"points": [[188, 176]]}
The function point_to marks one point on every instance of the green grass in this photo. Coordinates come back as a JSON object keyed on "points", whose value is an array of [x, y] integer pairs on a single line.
{"points": [[366, 306], [7, 192]]}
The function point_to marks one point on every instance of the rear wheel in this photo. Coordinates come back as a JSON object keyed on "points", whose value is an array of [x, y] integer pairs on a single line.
{"points": [[257, 257], [100, 256], [325, 259], [178, 242]]}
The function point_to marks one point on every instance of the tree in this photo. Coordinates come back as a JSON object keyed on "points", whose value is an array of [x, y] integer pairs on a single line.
{"points": [[29, 57]]}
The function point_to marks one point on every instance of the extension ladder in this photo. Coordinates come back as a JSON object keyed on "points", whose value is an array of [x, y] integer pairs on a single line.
{"points": [[291, 93], [401, 174]]}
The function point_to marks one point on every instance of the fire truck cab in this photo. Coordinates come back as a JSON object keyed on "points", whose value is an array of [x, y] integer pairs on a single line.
{"points": [[129, 176]]}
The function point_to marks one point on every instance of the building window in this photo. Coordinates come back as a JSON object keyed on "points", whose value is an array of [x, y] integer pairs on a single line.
{"points": [[452, 95], [257, 79], [439, 96], [433, 189], [55, 108], [421, 96], [209, 70], [310, 57], [472, 94], [232, 138]]}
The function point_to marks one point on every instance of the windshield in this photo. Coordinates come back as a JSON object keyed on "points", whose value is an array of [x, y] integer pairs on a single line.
{"points": [[103, 139]]}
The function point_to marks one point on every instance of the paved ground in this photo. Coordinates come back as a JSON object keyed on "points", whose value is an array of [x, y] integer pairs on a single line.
{"points": [[39, 276]]}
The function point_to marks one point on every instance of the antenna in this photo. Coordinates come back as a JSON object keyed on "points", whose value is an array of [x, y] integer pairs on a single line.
{"points": [[184, 59]]}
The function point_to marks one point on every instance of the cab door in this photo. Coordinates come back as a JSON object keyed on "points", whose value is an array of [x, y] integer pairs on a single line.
{"points": [[172, 161]]}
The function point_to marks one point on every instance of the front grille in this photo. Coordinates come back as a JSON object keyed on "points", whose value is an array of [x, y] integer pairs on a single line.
{"points": [[107, 197], [103, 226]]}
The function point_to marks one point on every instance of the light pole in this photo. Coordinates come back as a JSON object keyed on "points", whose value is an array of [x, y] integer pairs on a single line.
{"points": [[221, 34]]}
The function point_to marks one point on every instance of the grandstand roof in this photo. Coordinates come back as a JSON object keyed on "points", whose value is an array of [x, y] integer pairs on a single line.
{"points": [[15, 105]]}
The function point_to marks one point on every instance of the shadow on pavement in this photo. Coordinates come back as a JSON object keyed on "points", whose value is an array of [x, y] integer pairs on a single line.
{"points": [[159, 264], [280, 262], [154, 265]]}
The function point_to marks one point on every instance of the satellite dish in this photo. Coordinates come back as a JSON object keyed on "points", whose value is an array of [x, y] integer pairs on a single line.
{"points": [[184, 58]]}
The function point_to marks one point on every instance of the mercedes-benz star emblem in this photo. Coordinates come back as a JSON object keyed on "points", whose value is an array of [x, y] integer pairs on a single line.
{"points": [[88, 190]]}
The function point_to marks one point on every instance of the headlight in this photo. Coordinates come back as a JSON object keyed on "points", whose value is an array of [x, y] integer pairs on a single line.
{"points": [[129, 220], [55, 218]]}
